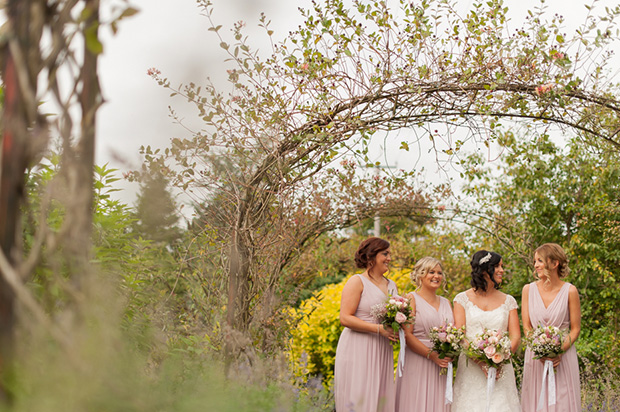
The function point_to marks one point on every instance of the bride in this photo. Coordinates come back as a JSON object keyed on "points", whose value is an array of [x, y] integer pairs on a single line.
{"points": [[479, 308]]}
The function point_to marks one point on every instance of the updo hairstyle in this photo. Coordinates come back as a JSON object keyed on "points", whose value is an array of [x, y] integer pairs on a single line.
{"points": [[553, 251], [478, 269], [422, 267], [368, 250]]}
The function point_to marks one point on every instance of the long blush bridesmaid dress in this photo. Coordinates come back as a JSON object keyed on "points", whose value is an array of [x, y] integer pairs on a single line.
{"points": [[364, 367], [568, 394], [422, 388]]}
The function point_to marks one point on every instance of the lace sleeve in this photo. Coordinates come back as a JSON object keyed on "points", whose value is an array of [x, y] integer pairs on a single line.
{"points": [[511, 303], [461, 299]]}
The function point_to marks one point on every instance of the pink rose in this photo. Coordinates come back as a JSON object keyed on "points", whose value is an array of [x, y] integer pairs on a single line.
{"points": [[442, 336], [497, 358], [400, 317], [489, 351]]}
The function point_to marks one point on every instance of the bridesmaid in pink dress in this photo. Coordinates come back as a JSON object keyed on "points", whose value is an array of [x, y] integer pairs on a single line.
{"points": [[364, 367], [550, 301], [422, 388]]}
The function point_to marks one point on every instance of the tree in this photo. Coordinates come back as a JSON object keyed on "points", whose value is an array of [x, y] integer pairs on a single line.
{"points": [[50, 49], [567, 195], [350, 72], [156, 211]]}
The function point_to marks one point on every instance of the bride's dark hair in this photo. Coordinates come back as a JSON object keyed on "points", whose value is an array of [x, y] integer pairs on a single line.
{"points": [[483, 262]]}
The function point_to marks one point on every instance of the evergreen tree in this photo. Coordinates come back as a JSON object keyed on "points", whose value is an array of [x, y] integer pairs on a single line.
{"points": [[156, 217]]}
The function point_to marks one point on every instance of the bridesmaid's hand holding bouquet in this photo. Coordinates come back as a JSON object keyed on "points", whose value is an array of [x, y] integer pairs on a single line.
{"points": [[545, 342], [447, 341], [393, 313]]}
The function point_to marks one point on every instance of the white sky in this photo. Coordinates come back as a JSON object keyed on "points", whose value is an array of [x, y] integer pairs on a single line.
{"points": [[172, 36]]}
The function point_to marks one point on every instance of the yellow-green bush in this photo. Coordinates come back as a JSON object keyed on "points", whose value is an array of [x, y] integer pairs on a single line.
{"points": [[315, 338]]}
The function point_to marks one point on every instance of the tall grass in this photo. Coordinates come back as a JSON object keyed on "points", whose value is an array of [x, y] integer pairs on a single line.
{"points": [[600, 387], [110, 367]]}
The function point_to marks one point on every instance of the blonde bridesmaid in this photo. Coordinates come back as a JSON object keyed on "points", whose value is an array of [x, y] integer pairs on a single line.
{"points": [[550, 301], [422, 387]]}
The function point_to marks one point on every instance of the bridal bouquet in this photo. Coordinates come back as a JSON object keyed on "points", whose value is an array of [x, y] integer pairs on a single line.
{"points": [[394, 313], [447, 340], [491, 347], [545, 341]]}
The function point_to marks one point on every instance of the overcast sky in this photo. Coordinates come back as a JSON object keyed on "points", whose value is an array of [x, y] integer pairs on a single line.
{"points": [[173, 36]]}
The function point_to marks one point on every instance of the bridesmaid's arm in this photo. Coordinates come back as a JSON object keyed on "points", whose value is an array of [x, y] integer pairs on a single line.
{"points": [[351, 295], [525, 310], [416, 346], [574, 310], [514, 331], [414, 343]]}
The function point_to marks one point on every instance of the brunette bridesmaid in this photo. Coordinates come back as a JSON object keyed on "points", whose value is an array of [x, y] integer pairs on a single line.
{"points": [[422, 387], [364, 367], [550, 301]]}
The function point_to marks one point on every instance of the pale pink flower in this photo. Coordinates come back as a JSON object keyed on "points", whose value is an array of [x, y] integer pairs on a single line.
{"points": [[544, 88], [400, 317], [497, 358], [489, 351]]}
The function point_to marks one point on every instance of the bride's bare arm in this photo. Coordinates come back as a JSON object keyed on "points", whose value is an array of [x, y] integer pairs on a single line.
{"points": [[514, 331]]}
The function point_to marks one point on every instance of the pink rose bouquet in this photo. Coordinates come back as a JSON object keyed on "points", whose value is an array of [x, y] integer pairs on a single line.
{"points": [[393, 313], [545, 341], [491, 347], [447, 341]]}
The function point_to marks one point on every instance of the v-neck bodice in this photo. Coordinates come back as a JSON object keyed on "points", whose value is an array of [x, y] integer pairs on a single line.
{"points": [[372, 295], [556, 314], [426, 317]]}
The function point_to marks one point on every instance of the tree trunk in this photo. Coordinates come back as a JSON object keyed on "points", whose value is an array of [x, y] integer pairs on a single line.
{"points": [[15, 118], [83, 163]]}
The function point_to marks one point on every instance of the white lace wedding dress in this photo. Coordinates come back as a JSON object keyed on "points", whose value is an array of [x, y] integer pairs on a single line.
{"points": [[470, 385]]}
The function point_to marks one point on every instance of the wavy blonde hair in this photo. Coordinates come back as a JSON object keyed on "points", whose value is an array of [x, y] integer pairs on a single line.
{"points": [[422, 267], [553, 251]]}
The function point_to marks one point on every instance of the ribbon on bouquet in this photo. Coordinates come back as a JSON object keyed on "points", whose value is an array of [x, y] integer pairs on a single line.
{"points": [[551, 399], [401, 353], [491, 374], [449, 384]]}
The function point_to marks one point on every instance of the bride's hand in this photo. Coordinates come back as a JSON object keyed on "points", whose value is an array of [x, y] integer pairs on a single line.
{"points": [[485, 368]]}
